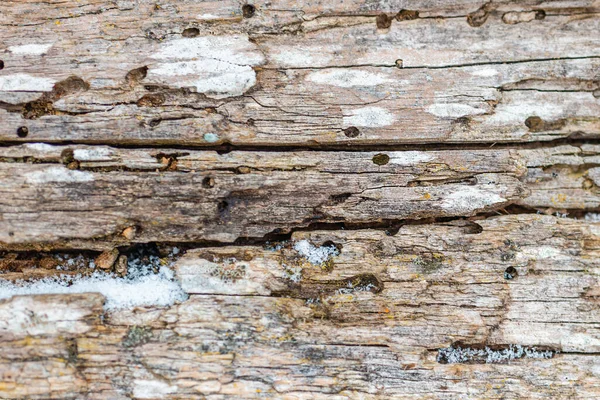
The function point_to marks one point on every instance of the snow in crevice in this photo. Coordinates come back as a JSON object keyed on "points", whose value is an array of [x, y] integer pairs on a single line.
{"points": [[453, 355], [315, 255], [149, 282]]}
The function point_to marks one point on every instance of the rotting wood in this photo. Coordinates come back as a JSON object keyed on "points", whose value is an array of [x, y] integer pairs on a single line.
{"points": [[331, 183], [148, 83], [205, 196], [441, 285]]}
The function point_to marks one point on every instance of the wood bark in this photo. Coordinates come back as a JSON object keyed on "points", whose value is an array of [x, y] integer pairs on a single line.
{"points": [[439, 160]]}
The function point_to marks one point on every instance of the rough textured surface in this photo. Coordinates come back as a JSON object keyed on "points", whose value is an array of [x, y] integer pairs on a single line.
{"points": [[362, 199]]}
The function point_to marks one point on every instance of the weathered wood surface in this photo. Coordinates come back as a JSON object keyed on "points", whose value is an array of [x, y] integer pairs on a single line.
{"points": [[126, 73], [362, 199], [435, 285], [174, 195]]}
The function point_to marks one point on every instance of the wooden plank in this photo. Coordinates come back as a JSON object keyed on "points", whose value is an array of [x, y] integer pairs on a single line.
{"points": [[299, 199], [170, 195], [142, 82], [440, 284]]}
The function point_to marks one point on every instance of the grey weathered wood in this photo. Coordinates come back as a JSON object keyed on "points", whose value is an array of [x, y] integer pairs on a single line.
{"points": [[444, 152], [440, 284], [453, 85], [174, 195]]}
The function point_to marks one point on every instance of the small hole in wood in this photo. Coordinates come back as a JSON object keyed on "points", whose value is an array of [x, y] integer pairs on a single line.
{"points": [[407, 15], [381, 159], [534, 123], [351, 132], [208, 182], [22, 131], [227, 148], [222, 206], [330, 243], [137, 74], [190, 32], [540, 14], [248, 10], [154, 122], [1, 64], [383, 21], [510, 273]]}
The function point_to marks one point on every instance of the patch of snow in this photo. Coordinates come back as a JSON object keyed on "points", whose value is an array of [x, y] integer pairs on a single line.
{"points": [[592, 217], [315, 255], [373, 117], [26, 82], [453, 355], [58, 174], [31, 49], [149, 290], [150, 281], [453, 110], [138, 289], [347, 78]]}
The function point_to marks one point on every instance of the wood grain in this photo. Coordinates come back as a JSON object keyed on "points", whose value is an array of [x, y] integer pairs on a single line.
{"points": [[441, 284], [361, 199]]}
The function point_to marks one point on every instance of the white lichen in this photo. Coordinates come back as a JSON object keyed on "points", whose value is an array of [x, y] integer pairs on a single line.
{"points": [[58, 174], [26, 83], [97, 154], [207, 16], [409, 157], [453, 355], [347, 78], [372, 117], [298, 57], [31, 49], [219, 66], [467, 199], [350, 288], [485, 72], [151, 389], [454, 110], [315, 255], [211, 137]]}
